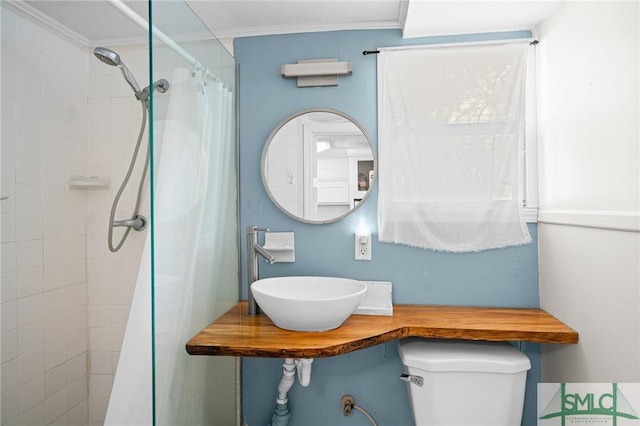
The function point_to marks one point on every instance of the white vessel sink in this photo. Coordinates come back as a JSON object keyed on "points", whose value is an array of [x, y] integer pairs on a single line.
{"points": [[308, 303]]}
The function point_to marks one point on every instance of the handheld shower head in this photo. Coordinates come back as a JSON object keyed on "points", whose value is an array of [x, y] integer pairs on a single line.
{"points": [[110, 57], [107, 56]]}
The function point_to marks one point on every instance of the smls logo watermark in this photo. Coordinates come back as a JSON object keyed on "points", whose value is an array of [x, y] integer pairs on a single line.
{"points": [[563, 404]]}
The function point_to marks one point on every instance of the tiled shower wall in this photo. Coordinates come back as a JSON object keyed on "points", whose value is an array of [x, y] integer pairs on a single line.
{"points": [[65, 297], [44, 269], [114, 118]]}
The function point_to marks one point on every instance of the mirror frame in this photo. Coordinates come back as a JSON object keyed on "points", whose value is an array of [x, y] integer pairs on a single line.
{"points": [[273, 134]]}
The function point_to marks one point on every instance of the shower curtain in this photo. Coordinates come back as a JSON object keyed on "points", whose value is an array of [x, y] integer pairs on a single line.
{"points": [[194, 190]]}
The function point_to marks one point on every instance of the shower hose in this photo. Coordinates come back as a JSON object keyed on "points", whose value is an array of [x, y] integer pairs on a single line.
{"points": [[125, 181]]}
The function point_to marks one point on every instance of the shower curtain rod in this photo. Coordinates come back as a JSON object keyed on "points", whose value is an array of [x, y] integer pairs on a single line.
{"points": [[375, 52], [131, 14]]}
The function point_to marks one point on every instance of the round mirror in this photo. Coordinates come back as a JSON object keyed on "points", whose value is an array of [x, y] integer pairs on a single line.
{"points": [[318, 165]]}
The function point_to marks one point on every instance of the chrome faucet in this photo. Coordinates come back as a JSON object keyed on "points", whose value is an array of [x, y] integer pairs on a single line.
{"points": [[253, 249]]}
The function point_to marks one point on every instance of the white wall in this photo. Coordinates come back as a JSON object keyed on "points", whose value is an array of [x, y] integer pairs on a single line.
{"points": [[589, 154], [44, 288]]}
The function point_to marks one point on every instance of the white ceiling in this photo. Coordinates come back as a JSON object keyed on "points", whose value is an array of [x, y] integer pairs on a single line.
{"points": [[97, 22]]}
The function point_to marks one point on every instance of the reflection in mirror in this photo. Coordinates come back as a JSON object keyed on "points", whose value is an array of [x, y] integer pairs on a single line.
{"points": [[318, 165]]}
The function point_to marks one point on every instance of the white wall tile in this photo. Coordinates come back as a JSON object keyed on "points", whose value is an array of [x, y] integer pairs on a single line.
{"points": [[9, 346], [30, 394], [76, 295], [30, 309], [8, 280], [33, 416], [78, 415], [28, 135], [44, 137], [99, 292], [77, 391], [9, 204], [54, 199], [8, 227], [77, 248], [120, 315], [77, 318], [76, 223], [29, 199], [78, 274], [97, 409], [97, 247], [55, 353], [100, 385], [99, 86], [77, 368], [54, 225], [30, 281], [28, 171], [54, 301], [55, 250], [100, 362], [77, 342], [125, 108], [55, 380], [29, 254], [10, 405], [29, 227], [55, 277], [102, 154], [100, 316], [10, 378], [31, 366], [30, 337], [9, 312], [54, 173], [99, 109], [55, 325], [8, 162], [62, 420], [75, 200], [106, 338], [120, 88]]}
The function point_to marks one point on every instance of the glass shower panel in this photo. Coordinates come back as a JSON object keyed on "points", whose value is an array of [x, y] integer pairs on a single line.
{"points": [[194, 219]]}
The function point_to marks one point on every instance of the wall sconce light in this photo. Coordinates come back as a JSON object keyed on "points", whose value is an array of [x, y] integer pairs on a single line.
{"points": [[316, 72]]}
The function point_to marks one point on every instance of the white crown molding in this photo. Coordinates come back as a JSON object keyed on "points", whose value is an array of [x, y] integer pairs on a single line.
{"points": [[34, 14], [279, 30]]}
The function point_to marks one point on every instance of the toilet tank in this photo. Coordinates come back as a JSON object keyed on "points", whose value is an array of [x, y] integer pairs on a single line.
{"points": [[464, 383]]}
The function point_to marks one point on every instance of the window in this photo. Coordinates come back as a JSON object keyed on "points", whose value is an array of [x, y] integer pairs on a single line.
{"points": [[453, 169]]}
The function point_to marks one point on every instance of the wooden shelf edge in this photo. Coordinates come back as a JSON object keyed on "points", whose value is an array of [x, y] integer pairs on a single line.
{"points": [[235, 334]]}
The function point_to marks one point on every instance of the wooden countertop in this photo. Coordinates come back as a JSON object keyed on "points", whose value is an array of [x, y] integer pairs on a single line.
{"points": [[237, 334]]}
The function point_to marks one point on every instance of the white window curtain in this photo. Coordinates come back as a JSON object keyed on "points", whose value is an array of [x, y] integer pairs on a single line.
{"points": [[451, 131]]}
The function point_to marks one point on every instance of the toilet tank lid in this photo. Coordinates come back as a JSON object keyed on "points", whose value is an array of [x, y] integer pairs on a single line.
{"points": [[462, 355]]}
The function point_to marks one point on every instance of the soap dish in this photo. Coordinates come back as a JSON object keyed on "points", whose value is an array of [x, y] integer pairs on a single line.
{"points": [[281, 245]]}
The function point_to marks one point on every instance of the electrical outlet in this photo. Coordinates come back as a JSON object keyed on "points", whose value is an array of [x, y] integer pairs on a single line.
{"points": [[363, 246]]}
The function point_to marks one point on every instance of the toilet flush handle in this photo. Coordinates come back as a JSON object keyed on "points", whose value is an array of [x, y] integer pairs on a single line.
{"points": [[416, 380]]}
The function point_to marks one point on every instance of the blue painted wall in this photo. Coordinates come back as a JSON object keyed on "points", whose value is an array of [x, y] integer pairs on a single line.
{"points": [[504, 277]]}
